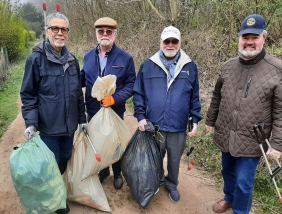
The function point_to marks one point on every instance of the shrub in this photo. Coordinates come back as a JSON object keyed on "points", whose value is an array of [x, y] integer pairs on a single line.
{"points": [[31, 35], [14, 37]]}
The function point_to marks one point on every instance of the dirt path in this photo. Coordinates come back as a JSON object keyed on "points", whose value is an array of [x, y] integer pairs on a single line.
{"points": [[197, 194]]}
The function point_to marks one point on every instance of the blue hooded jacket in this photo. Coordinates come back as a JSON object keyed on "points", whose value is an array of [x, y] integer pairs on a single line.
{"points": [[167, 104], [51, 94]]}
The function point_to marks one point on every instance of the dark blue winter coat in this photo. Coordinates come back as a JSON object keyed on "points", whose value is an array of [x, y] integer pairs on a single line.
{"points": [[167, 104], [51, 94], [120, 64]]}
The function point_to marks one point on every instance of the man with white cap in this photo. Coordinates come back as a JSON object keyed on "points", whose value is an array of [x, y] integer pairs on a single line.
{"points": [[248, 91], [107, 58], [166, 92]]}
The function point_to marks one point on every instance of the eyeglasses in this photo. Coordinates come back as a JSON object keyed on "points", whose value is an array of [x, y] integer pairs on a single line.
{"points": [[55, 29], [174, 41], [108, 32]]}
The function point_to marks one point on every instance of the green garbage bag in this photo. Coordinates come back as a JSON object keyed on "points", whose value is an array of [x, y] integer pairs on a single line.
{"points": [[37, 178]]}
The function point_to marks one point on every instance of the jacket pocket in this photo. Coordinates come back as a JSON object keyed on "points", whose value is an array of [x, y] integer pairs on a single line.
{"points": [[73, 79], [49, 81]]}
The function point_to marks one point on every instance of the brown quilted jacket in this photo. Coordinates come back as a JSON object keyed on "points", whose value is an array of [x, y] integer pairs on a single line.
{"points": [[246, 93]]}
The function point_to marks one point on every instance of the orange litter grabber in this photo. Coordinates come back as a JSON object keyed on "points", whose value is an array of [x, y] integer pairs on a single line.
{"points": [[261, 138], [98, 156], [190, 150]]}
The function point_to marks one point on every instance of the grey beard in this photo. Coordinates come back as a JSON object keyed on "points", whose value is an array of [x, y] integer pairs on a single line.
{"points": [[248, 55]]}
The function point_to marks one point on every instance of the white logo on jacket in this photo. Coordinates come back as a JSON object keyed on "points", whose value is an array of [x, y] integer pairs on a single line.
{"points": [[187, 72]]}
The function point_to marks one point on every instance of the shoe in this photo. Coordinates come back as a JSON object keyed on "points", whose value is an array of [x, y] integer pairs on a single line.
{"points": [[118, 181], [173, 194], [221, 206], [63, 211], [103, 174]]}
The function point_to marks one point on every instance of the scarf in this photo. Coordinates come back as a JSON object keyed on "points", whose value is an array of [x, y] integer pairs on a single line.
{"points": [[169, 65], [62, 58]]}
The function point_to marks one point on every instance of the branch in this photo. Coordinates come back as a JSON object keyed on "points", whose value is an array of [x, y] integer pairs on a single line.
{"points": [[155, 10]]}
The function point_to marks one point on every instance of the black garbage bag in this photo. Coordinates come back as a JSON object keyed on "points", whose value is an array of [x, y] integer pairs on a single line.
{"points": [[141, 166]]}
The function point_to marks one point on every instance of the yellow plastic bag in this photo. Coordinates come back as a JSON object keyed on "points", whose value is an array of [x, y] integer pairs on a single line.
{"points": [[88, 192], [107, 131]]}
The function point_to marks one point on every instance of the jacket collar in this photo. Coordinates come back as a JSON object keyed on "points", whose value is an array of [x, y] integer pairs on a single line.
{"points": [[109, 52], [183, 59], [255, 60]]}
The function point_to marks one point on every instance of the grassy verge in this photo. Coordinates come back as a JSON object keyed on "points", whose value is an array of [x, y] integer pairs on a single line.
{"points": [[9, 94]]}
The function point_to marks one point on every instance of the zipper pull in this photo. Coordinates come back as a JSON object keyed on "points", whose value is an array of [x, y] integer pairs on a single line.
{"points": [[248, 87]]}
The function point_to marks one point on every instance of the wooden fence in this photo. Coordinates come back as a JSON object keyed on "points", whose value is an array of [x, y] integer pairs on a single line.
{"points": [[4, 62]]}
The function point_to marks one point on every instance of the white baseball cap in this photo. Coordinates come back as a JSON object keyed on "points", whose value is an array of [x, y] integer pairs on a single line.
{"points": [[171, 32]]}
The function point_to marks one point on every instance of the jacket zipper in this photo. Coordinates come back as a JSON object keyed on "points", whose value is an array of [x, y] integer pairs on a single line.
{"points": [[248, 87]]}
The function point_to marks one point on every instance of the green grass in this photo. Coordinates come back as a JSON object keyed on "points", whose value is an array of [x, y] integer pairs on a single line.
{"points": [[9, 93]]}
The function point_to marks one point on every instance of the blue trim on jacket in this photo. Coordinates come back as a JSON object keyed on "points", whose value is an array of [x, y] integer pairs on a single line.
{"points": [[119, 63], [167, 105]]}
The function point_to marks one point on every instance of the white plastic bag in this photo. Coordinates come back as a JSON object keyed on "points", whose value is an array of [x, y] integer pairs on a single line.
{"points": [[89, 191], [107, 131]]}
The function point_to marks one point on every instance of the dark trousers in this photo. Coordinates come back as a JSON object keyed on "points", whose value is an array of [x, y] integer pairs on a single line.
{"points": [[61, 146], [172, 143], [117, 165]]}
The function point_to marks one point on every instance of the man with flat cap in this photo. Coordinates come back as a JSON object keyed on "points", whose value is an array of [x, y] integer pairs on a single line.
{"points": [[107, 58], [248, 91]]}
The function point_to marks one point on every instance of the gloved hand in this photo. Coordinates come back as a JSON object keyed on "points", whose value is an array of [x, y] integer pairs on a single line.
{"points": [[84, 125], [209, 129], [194, 130], [30, 132], [108, 101], [141, 124], [273, 154]]}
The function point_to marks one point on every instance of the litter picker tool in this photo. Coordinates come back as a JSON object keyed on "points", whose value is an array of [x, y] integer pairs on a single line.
{"points": [[97, 156], [190, 150], [261, 138]]}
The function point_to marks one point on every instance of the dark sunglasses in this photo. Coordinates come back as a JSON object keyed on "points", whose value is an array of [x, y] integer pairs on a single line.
{"points": [[174, 41], [108, 32], [55, 29]]}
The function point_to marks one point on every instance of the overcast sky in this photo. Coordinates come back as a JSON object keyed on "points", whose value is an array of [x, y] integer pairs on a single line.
{"points": [[23, 1]]}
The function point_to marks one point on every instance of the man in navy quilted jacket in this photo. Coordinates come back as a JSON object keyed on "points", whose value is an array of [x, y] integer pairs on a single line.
{"points": [[166, 92]]}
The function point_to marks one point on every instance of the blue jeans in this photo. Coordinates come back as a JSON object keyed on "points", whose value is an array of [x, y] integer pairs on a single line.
{"points": [[61, 146], [239, 175]]}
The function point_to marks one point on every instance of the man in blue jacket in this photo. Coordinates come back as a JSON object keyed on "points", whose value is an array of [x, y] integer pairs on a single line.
{"points": [[51, 93], [105, 59], [166, 92]]}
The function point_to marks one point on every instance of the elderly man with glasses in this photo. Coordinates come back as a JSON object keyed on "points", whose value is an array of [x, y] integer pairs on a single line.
{"points": [[166, 92], [107, 58], [51, 93]]}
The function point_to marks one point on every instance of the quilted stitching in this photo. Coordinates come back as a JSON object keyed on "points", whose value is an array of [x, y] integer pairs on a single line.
{"points": [[238, 113]]}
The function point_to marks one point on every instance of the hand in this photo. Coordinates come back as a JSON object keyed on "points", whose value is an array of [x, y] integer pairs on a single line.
{"points": [[209, 129], [141, 124], [273, 154], [194, 130], [82, 125], [30, 132], [108, 101]]}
